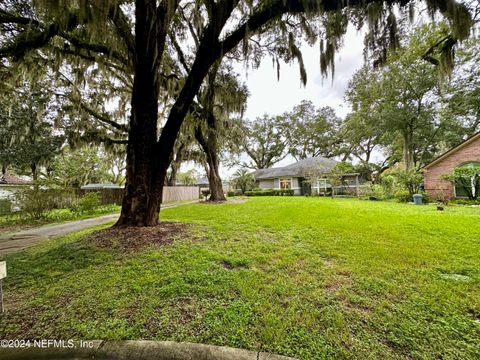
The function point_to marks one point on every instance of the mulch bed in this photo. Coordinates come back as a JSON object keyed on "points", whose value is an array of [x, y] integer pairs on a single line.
{"points": [[136, 238]]}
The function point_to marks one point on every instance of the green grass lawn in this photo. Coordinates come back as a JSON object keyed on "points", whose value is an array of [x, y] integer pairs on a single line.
{"points": [[314, 278], [17, 221]]}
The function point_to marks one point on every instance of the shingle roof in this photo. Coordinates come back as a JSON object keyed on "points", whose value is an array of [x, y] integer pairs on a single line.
{"points": [[12, 180], [203, 181], [301, 168], [101, 186]]}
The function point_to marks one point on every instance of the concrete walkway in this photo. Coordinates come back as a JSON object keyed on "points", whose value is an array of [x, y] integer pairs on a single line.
{"points": [[138, 350], [20, 240]]}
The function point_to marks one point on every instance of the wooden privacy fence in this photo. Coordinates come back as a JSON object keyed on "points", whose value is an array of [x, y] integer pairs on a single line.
{"points": [[107, 196], [170, 193], [180, 193]]}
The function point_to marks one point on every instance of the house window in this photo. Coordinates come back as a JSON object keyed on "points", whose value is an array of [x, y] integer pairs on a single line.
{"points": [[468, 186], [322, 184], [285, 183]]}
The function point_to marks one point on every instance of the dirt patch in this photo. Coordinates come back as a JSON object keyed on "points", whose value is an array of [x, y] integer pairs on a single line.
{"points": [[341, 280], [231, 201], [136, 238], [233, 266]]}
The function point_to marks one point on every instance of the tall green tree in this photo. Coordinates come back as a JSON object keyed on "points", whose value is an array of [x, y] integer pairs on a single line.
{"points": [[397, 108], [263, 141], [29, 139], [104, 34], [76, 167], [462, 93], [218, 101], [363, 129], [312, 132]]}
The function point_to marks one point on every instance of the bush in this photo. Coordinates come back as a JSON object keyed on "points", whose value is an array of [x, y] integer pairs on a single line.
{"points": [[410, 180], [35, 203], [231, 193], [270, 192], [403, 195], [426, 198], [467, 178], [87, 204], [465, 202], [371, 191], [5, 206]]}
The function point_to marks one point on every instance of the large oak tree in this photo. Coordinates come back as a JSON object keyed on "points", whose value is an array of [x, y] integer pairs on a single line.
{"points": [[104, 33]]}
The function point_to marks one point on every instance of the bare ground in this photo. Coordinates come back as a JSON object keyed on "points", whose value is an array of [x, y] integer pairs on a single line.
{"points": [[136, 238]]}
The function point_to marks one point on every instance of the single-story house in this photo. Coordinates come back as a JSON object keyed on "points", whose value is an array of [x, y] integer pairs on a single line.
{"points": [[9, 185], [203, 183], [465, 154], [101, 186], [309, 176]]}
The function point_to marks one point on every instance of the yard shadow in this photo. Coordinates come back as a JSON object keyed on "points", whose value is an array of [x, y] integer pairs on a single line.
{"points": [[44, 264]]}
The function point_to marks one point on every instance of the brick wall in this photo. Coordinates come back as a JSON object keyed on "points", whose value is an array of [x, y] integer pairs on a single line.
{"points": [[434, 185]]}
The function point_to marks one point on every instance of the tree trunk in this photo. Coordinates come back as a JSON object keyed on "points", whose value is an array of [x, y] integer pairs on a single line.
{"points": [[209, 146], [144, 176], [172, 177], [33, 167], [148, 159], [407, 150], [175, 165], [207, 137], [4, 169], [216, 188]]}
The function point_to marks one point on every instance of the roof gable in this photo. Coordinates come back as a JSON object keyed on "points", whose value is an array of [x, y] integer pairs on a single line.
{"points": [[7, 179], [301, 168], [471, 139]]}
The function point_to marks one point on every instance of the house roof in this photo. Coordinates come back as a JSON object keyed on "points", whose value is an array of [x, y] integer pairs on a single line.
{"points": [[301, 168], [101, 186], [203, 181], [454, 149], [7, 179]]}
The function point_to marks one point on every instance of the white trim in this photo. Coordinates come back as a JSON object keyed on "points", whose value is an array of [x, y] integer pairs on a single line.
{"points": [[285, 178]]}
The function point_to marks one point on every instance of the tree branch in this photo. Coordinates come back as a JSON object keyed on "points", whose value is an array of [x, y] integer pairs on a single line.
{"points": [[103, 117], [7, 18], [124, 29], [97, 48]]}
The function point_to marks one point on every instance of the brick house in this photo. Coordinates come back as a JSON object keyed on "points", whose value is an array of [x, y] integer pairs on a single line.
{"points": [[468, 152]]}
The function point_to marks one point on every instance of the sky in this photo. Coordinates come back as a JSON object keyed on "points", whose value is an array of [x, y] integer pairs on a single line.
{"points": [[268, 95]]}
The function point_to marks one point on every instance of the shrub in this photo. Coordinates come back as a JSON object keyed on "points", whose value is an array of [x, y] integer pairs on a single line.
{"points": [[410, 180], [371, 191], [467, 178], [270, 192], [35, 203], [403, 195], [231, 193], [388, 184], [426, 198], [87, 203], [465, 202], [5, 206]]}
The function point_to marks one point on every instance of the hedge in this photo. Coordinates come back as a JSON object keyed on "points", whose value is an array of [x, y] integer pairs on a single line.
{"points": [[270, 192]]}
